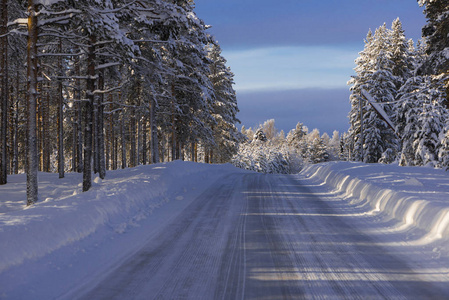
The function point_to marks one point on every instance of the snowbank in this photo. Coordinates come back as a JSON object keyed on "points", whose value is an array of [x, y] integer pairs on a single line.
{"points": [[65, 215], [416, 196]]}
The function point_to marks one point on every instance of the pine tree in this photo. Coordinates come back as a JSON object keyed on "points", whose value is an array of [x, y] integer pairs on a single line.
{"points": [[401, 57], [436, 32], [32, 71], [408, 109], [381, 86], [224, 106], [427, 141], [358, 106]]}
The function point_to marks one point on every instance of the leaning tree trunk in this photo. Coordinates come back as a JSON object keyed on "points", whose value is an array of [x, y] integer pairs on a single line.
{"points": [[32, 66], [4, 91], [88, 115]]}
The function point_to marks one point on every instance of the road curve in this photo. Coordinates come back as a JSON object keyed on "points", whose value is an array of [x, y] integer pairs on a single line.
{"points": [[257, 236]]}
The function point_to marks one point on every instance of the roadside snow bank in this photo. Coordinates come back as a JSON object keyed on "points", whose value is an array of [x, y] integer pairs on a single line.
{"points": [[416, 196], [65, 215]]}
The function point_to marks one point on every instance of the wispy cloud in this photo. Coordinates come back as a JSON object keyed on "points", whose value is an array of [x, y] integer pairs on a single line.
{"points": [[281, 68]]}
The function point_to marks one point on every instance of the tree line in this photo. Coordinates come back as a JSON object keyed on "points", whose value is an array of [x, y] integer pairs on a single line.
{"points": [[411, 82], [89, 86], [267, 150]]}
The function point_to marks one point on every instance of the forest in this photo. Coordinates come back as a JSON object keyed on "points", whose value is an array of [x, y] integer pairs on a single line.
{"points": [[411, 83], [408, 80], [89, 86]]}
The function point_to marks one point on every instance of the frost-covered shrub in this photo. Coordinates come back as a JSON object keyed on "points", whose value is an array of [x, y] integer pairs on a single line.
{"points": [[265, 157]]}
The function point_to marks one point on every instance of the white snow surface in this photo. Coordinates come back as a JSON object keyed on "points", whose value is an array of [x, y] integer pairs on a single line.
{"points": [[69, 220], [69, 235], [415, 196]]}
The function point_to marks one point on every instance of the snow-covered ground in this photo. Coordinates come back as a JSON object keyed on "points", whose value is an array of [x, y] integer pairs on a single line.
{"points": [[418, 197], [48, 249], [66, 222]]}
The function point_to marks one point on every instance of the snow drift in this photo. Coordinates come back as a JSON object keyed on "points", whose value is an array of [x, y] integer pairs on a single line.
{"points": [[67, 218], [64, 215], [416, 196]]}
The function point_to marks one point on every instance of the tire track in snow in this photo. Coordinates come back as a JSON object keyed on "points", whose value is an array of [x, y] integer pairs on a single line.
{"points": [[257, 236], [183, 261]]}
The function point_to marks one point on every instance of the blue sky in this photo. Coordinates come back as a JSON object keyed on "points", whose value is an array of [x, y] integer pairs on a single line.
{"points": [[292, 58]]}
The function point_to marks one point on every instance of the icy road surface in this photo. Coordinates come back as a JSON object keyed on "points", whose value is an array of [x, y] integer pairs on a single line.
{"points": [[256, 236]]}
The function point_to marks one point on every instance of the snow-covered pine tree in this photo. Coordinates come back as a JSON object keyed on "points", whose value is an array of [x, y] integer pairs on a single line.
{"points": [[188, 89], [318, 151], [436, 32], [297, 139], [408, 109], [107, 45], [334, 146], [224, 106], [296, 135], [427, 141], [401, 58], [381, 86], [358, 105], [430, 124], [409, 105]]}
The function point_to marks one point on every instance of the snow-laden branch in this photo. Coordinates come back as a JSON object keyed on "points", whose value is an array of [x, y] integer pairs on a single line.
{"points": [[60, 54], [55, 20], [19, 21], [107, 65], [108, 90]]}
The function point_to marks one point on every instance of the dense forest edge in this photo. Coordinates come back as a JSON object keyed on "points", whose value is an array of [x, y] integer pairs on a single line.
{"points": [[90, 86]]}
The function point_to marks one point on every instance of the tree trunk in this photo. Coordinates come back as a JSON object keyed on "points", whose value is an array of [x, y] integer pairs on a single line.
{"points": [[100, 127], [60, 117], [79, 114], [144, 139], [32, 66], [108, 137], [123, 140], [153, 128], [132, 137], [45, 130], [196, 152], [15, 142], [88, 115], [4, 91], [79, 130], [95, 134]]}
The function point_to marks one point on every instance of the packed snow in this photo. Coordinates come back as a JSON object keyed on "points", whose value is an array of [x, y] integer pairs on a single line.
{"points": [[51, 247], [415, 196]]}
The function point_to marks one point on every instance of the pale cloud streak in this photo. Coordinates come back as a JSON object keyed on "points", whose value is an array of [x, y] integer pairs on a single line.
{"points": [[284, 68]]}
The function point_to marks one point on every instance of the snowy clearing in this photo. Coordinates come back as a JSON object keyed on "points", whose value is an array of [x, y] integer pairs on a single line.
{"points": [[214, 231]]}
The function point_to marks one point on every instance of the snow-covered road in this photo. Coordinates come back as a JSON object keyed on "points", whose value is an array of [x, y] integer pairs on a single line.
{"points": [[257, 236]]}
